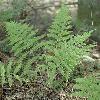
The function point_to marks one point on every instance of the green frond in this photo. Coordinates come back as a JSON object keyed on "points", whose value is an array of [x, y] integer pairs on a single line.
{"points": [[22, 38], [60, 25], [88, 87], [24, 43], [2, 73], [63, 50]]}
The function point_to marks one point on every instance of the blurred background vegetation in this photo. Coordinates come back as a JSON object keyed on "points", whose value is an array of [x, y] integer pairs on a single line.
{"points": [[39, 13]]}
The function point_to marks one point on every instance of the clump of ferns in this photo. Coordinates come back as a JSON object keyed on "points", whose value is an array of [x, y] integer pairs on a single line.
{"points": [[24, 43], [63, 50]]}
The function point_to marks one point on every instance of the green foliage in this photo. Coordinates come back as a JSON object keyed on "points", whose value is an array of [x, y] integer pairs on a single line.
{"points": [[61, 26], [13, 72], [6, 15], [63, 50], [23, 40], [18, 6], [88, 87], [24, 44], [1, 1], [13, 10], [4, 46]]}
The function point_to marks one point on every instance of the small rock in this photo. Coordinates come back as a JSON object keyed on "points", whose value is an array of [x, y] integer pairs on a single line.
{"points": [[87, 59], [96, 56]]}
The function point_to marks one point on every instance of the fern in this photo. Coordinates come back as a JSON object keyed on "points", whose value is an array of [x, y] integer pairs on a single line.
{"points": [[88, 87], [63, 50], [13, 72], [60, 26], [23, 40], [24, 43], [6, 15], [2, 73]]}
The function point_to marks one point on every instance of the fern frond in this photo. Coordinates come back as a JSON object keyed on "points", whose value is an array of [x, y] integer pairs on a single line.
{"points": [[89, 87], [2, 73], [60, 26], [24, 43], [63, 50], [22, 39], [15, 72]]}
